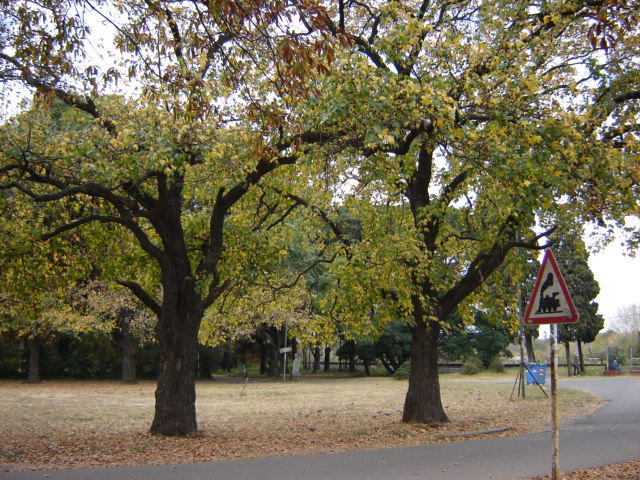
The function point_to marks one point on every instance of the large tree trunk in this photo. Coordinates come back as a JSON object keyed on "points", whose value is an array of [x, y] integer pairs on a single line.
{"points": [[327, 359], [580, 356], [422, 403], [33, 369], [316, 359], [273, 360], [128, 348], [264, 352], [567, 349], [528, 343], [386, 365], [352, 362], [177, 330]]}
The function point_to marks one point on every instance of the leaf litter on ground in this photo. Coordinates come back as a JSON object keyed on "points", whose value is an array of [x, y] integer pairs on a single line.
{"points": [[82, 424]]}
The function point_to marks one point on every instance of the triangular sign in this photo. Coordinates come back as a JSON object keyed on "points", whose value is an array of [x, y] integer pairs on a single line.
{"points": [[550, 300]]}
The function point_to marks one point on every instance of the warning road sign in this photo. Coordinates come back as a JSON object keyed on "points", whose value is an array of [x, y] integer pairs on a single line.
{"points": [[550, 300]]}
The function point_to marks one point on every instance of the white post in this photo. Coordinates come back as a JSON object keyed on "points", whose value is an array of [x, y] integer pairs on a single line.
{"points": [[555, 468]]}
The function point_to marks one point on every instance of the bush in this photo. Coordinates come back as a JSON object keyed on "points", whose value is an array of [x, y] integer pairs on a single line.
{"points": [[496, 365], [402, 373], [471, 366]]}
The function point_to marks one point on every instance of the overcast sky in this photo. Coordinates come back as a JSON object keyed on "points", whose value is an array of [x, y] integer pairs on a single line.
{"points": [[619, 278]]}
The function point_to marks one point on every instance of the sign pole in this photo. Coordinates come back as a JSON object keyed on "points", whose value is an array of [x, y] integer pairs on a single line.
{"points": [[555, 467], [284, 367], [551, 303], [523, 375]]}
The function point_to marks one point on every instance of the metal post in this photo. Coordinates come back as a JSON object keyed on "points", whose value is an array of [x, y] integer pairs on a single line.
{"points": [[284, 367], [521, 368], [520, 380], [555, 468]]}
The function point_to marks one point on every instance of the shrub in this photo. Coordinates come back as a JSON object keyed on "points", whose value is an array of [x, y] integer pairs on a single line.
{"points": [[496, 365], [471, 366], [402, 373]]}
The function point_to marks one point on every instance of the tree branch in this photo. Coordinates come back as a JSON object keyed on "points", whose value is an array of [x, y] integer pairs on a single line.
{"points": [[337, 231], [141, 236], [214, 293], [484, 264], [627, 96], [85, 104], [142, 295]]}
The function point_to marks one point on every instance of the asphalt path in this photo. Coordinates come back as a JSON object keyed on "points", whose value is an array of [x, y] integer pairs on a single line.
{"points": [[611, 435]]}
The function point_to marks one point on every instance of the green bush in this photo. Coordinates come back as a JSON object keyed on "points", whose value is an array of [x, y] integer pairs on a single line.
{"points": [[496, 365], [471, 366], [402, 373]]}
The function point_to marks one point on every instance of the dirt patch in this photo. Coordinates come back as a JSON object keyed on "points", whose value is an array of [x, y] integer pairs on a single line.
{"points": [[59, 425]]}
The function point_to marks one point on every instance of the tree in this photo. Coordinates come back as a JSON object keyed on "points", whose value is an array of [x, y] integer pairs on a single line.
{"points": [[464, 122], [583, 287], [587, 330], [38, 279], [131, 321], [482, 340], [393, 347], [612, 20], [627, 319], [530, 332], [462, 119], [175, 167]]}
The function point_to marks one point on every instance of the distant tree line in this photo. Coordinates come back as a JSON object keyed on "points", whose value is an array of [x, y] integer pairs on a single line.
{"points": [[99, 355]]}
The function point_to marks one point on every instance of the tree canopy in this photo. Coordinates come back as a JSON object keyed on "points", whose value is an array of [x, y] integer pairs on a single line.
{"points": [[449, 130], [460, 126], [175, 164]]}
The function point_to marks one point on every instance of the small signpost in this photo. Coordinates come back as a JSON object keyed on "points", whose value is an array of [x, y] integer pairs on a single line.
{"points": [[551, 303]]}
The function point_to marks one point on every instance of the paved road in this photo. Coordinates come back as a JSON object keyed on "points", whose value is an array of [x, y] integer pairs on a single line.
{"points": [[611, 435]]}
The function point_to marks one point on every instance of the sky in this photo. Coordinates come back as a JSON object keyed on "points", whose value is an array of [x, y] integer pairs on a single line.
{"points": [[619, 279]]}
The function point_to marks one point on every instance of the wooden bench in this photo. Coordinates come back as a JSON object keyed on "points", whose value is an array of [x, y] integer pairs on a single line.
{"points": [[611, 372]]}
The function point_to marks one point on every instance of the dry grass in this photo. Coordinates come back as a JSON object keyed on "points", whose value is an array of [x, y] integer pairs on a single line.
{"points": [[56, 425]]}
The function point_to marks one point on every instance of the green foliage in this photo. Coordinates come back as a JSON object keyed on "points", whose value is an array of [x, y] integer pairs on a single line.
{"points": [[10, 358], [496, 365], [481, 340], [392, 348], [402, 373], [92, 356], [471, 366], [449, 130], [572, 260]]}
